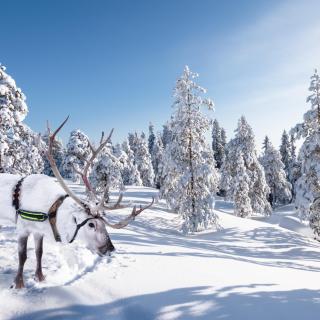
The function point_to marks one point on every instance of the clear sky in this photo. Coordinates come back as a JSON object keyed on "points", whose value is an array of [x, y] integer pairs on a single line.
{"points": [[114, 63]]}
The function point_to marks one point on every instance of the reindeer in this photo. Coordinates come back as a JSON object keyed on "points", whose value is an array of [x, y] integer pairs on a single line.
{"points": [[43, 207]]}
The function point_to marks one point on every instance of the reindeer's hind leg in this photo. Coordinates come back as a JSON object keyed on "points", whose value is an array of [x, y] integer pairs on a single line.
{"points": [[38, 242], [22, 251]]}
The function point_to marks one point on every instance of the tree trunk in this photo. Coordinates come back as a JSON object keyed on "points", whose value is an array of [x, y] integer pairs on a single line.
{"points": [[193, 202]]}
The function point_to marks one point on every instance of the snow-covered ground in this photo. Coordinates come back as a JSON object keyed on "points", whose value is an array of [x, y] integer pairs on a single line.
{"points": [[249, 269]]}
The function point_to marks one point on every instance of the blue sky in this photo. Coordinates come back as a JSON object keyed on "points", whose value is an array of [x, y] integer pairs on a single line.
{"points": [[114, 63]]}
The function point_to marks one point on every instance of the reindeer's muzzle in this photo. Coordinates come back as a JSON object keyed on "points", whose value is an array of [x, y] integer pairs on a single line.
{"points": [[108, 248]]}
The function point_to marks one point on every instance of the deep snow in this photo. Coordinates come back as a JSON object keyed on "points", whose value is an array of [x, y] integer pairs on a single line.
{"points": [[249, 269]]}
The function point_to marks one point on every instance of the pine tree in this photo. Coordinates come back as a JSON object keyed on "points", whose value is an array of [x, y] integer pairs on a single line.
{"points": [[280, 188], [223, 138], [77, 153], [151, 138], [292, 148], [143, 161], [20, 147], [286, 152], [133, 141], [244, 144], [166, 135], [242, 202], [218, 143], [27, 151], [307, 186], [295, 166], [190, 179], [130, 174], [58, 152], [266, 143], [157, 160], [106, 173]]}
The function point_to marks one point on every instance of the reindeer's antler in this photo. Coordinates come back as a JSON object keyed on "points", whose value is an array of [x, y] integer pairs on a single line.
{"points": [[95, 152], [95, 211], [123, 223], [55, 169]]}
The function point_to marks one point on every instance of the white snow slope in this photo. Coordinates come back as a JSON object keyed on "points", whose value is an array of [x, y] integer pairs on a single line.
{"points": [[247, 270]]}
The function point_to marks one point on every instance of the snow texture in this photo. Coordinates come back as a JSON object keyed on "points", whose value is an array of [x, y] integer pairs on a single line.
{"points": [[247, 270]]}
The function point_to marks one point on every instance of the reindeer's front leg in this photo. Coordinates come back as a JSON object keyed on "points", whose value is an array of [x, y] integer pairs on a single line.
{"points": [[22, 251], [38, 241]]}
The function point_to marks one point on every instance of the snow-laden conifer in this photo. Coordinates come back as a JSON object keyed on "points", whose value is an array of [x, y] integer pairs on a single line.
{"points": [[157, 160], [20, 150], [58, 152], [286, 152], [307, 186], [151, 138], [295, 166], [77, 153], [218, 143], [190, 178], [143, 161], [166, 135], [106, 173], [243, 143], [242, 202], [26, 151], [133, 142], [280, 187], [130, 173]]}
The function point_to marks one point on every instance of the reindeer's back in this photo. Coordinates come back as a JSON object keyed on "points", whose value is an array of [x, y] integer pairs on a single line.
{"points": [[38, 192]]}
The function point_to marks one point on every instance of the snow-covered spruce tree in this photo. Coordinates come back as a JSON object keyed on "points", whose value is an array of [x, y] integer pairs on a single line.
{"points": [[242, 202], [157, 159], [295, 166], [77, 152], [243, 143], [121, 156], [166, 135], [289, 159], [223, 137], [20, 149], [143, 161], [133, 142], [293, 148], [130, 173], [151, 138], [143, 135], [218, 143], [26, 150], [285, 151], [58, 152], [106, 173], [119, 153], [280, 187], [191, 178], [307, 186]]}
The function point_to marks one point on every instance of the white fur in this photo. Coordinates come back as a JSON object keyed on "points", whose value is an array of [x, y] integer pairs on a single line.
{"points": [[38, 193]]}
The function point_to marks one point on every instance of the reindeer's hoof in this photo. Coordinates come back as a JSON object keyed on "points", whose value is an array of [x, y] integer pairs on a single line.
{"points": [[40, 277], [18, 283]]}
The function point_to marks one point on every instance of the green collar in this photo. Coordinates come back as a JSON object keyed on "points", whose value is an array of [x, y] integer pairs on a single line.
{"points": [[32, 215]]}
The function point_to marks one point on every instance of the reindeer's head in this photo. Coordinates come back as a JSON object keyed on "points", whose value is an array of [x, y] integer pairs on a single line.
{"points": [[94, 220], [96, 237]]}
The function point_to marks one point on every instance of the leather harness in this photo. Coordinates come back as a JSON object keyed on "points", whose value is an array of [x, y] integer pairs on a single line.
{"points": [[39, 216]]}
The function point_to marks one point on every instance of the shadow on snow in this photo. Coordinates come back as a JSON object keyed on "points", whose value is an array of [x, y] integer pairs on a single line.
{"points": [[197, 303]]}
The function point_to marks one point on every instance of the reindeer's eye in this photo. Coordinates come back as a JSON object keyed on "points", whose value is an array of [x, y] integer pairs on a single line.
{"points": [[91, 225]]}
